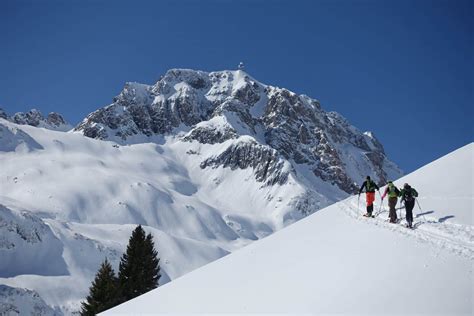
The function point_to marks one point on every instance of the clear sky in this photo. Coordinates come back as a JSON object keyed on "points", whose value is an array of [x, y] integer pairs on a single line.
{"points": [[402, 69]]}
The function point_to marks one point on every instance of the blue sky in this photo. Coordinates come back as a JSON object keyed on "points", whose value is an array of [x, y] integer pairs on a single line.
{"points": [[402, 69]]}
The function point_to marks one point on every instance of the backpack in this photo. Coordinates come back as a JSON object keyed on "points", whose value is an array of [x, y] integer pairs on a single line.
{"points": [[370, 186], [393, 191], [408, 195]]}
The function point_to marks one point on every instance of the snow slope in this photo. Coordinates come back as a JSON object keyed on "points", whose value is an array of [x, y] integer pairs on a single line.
{"points": [[336, 261], [88, 195]]}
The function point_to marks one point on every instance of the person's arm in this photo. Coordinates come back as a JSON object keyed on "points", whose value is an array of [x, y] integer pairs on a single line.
{"points": [[385, 193], [376, 186], [402, 192], [415, 194]]}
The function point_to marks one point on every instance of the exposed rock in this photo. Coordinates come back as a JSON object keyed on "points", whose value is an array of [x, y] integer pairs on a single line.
{"points": [[210, 135], [3, 114], [32, 117], [53, 121], [265, 162]]}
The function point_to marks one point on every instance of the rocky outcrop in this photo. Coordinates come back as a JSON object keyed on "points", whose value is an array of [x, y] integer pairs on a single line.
{"points": [[3, 114], [210, 135], [265, 162], [53, 120]]}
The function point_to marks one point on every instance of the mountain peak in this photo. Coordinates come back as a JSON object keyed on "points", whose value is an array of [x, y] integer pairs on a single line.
{"points": [[294, 126]]}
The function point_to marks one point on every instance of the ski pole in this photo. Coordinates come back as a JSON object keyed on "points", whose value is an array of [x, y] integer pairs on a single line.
{"points": [[358, 198], [380, 208], [401, 208], [381, 202]]}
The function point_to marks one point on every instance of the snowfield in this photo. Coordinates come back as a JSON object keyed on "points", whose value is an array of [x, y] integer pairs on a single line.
{"points": [[336, 261], [67, 202]]}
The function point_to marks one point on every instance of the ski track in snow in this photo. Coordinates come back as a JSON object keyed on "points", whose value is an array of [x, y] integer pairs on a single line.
{"points": [[443, 235]]}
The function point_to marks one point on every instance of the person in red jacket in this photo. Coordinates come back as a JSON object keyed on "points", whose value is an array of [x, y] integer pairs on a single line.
{"points": [[370, 187]]}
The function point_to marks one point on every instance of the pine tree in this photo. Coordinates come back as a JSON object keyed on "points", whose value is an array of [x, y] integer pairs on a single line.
{"points": [[152, 267], [139, 269], [103, 291]]}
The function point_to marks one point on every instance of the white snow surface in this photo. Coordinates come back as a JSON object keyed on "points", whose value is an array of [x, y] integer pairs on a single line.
{"points": [[85, 196], [337, 261]]}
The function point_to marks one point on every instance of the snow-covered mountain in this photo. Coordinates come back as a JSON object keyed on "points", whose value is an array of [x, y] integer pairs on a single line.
{"points": [[339, 262], [206, 162], [216, 107], [53, 120]]}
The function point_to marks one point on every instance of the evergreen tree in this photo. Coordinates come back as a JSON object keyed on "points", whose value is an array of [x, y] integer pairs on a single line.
{"points": [[103, 291], [139, 269]]}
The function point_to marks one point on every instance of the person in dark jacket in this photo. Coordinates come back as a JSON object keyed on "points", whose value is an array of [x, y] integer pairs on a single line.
{"points": [[392, 192], [408, 195], [370, 187]]}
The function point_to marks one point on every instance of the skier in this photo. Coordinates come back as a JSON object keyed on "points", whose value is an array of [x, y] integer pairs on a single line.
{"points": [[370, 187], [393, 193], [408, 195]]}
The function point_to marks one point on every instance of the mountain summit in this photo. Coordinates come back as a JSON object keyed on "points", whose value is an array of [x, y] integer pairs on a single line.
{"points": [[275, 126]]}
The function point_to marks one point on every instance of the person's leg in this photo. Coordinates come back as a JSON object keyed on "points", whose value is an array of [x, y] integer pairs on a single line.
{"points": [[392, 202], [370, 197], [409, 211]]}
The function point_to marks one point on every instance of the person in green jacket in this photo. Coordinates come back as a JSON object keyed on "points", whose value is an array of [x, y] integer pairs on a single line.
{"points": [[408, 195], [392, 192]]}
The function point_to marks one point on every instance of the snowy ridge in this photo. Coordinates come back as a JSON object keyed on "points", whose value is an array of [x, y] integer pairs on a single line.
{"points": [[335, 260], [15, 301], [28, 246]]}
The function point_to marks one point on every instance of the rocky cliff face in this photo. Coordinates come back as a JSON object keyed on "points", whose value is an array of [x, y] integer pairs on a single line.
{"points": [[219, 106]]}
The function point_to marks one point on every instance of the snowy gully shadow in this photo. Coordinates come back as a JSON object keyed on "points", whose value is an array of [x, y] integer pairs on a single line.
{"points": [[443, 219], [425, 213]]}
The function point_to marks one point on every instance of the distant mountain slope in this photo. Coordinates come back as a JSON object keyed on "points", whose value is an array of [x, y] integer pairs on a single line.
{"points": [[336, 261]]}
